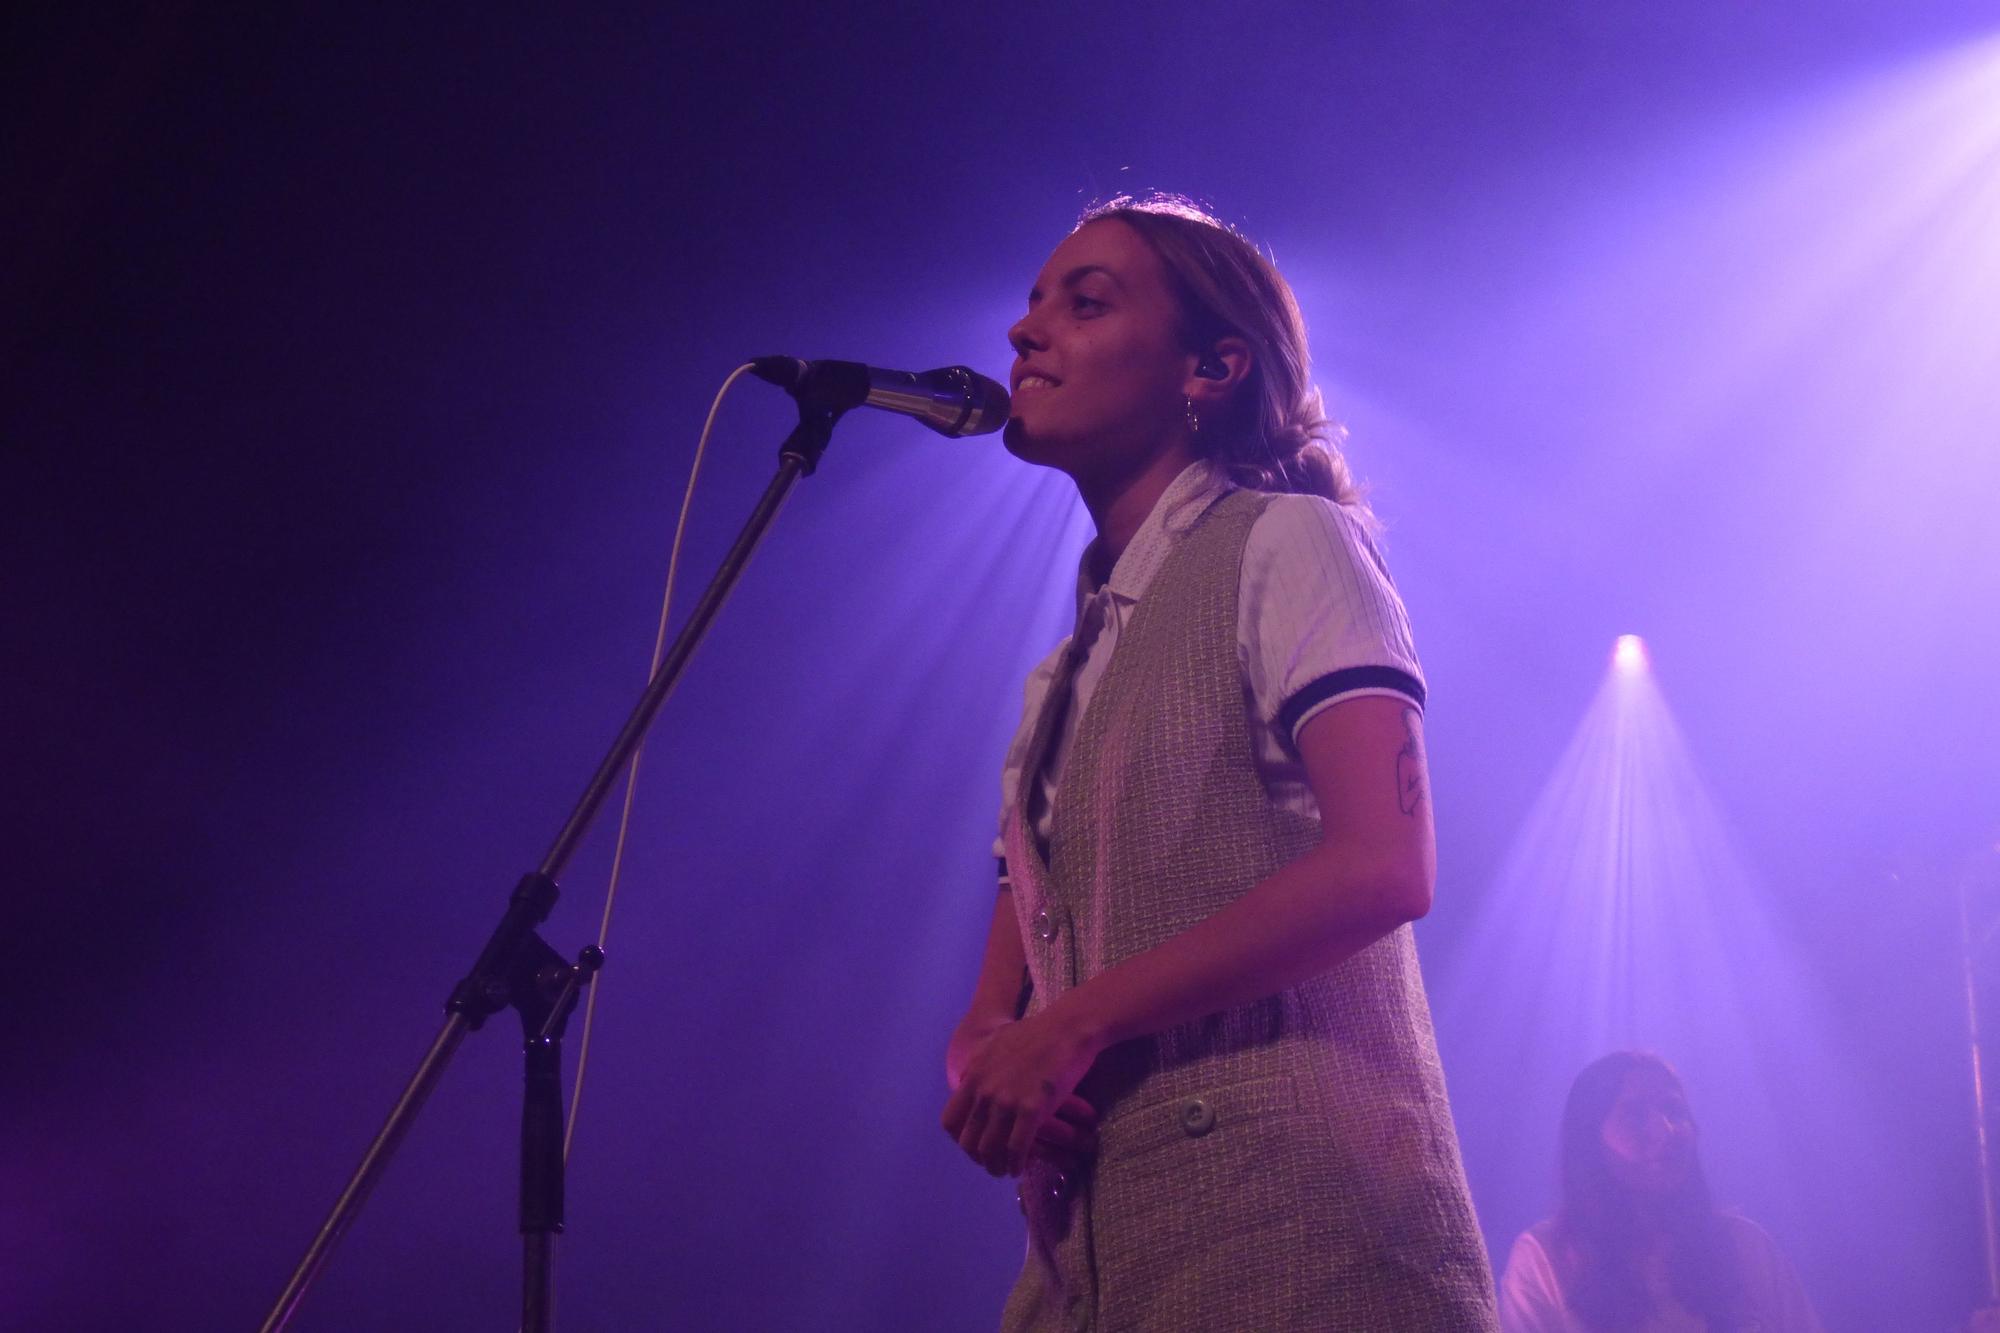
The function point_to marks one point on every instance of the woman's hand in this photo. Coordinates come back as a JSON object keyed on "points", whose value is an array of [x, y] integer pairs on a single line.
{"points": [[972, 1033], [1016, 1090], [1069, 1137]]}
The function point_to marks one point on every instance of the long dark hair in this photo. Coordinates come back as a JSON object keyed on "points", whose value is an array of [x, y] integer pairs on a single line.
{"points": [[1603, 1228], [1277, 435]]}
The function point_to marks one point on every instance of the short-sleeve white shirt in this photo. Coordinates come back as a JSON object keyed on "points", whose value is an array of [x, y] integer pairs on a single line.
{"points": [[1532, 1299], [1318, 621]]}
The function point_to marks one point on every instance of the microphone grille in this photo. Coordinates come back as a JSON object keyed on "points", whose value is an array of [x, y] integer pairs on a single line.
{"points": [[987, 404]]}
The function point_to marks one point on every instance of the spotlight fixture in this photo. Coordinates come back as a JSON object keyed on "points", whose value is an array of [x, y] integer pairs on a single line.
{"points": [[1629, 655]]}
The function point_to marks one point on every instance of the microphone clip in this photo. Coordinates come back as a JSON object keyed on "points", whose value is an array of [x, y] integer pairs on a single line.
{"points": [[832, 386], [819, 405]]}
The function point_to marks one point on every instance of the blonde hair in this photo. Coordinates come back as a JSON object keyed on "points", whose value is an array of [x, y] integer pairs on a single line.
{"points": [[1276, 434]]}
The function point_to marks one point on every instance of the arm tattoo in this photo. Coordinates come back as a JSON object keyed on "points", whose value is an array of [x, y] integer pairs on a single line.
{"points": [[1410, 780]]}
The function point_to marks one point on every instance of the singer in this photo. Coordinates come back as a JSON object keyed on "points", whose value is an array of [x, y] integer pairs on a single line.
{"points": [[1199, 1037]]}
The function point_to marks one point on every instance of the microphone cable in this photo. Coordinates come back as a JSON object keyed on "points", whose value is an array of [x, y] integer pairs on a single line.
{"points": [[632, 771]]}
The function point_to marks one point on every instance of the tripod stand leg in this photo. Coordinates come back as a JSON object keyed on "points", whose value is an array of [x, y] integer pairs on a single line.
{"points": [[348, 1206]]}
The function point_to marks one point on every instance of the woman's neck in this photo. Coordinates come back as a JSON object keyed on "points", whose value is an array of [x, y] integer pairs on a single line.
{"points": [[1119, 505]]}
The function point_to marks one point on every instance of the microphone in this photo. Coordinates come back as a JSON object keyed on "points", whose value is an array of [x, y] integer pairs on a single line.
{"points": [[952, 401]]}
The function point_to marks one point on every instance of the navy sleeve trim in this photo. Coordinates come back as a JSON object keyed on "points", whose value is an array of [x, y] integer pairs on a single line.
{"points": [[1346, 682]]}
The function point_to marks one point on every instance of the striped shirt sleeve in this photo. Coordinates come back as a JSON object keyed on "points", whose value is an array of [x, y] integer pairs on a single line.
{"points": [[1319, 619]]}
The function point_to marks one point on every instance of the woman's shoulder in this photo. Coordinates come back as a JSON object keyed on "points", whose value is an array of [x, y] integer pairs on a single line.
{"points": [[1286, 509], [1756, 1251], [1743, 1233], [1531, 1296], [1538, 1240], [1313, 528], [1532, 1255], [1310, 548]]}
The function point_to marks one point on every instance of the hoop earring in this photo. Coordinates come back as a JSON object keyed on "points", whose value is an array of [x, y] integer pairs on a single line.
{"points": [[1193, 421]]}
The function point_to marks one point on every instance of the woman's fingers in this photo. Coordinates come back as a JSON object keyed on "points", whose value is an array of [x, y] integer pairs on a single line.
{"points": [[974, 1130], [1058, 1133], [991, 1151], [1073, 1127], [978, 1123], [1019, 1079], [956, 1108], [1078, 1112], [1019, 1143]]}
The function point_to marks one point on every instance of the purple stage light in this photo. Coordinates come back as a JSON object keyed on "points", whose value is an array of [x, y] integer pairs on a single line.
{"points": [[1629, 654], [1625, 916]]}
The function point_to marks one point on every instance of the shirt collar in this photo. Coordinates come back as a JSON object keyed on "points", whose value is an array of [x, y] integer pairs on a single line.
{"points": [[1185, 500]]}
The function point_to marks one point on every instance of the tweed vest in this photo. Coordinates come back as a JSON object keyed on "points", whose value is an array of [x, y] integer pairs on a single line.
{"points": [[1288, 1164]]}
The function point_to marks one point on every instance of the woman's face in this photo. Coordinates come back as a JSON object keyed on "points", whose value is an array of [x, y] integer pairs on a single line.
{"points": [[1098, 360], [1649, 1133]]}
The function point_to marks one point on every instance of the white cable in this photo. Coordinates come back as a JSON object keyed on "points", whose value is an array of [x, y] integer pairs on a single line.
{"points": [[632, 773]]}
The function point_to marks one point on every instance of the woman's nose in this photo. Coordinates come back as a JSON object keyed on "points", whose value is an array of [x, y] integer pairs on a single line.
{"points": [[1025, 337]]}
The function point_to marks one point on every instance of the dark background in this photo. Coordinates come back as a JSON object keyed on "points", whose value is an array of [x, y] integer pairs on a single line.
{"points": [[353, 359]]}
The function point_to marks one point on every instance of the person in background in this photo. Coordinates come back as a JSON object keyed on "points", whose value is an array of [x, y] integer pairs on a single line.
{"points": [[1637, 1243]]}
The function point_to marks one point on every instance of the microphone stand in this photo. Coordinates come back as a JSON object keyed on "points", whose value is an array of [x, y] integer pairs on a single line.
{"points": [[1974, 940], [519, 969]]}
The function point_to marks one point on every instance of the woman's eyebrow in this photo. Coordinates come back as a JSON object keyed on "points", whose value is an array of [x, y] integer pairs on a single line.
{"points": [[1076, 275]]}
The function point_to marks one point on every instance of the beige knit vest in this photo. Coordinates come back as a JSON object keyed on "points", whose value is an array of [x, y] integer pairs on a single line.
{"points": [[1289, 1164]]}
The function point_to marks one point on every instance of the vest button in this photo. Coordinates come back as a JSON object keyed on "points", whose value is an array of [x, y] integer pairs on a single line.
{"points": [[1045, 925], [1197, 1118]]}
